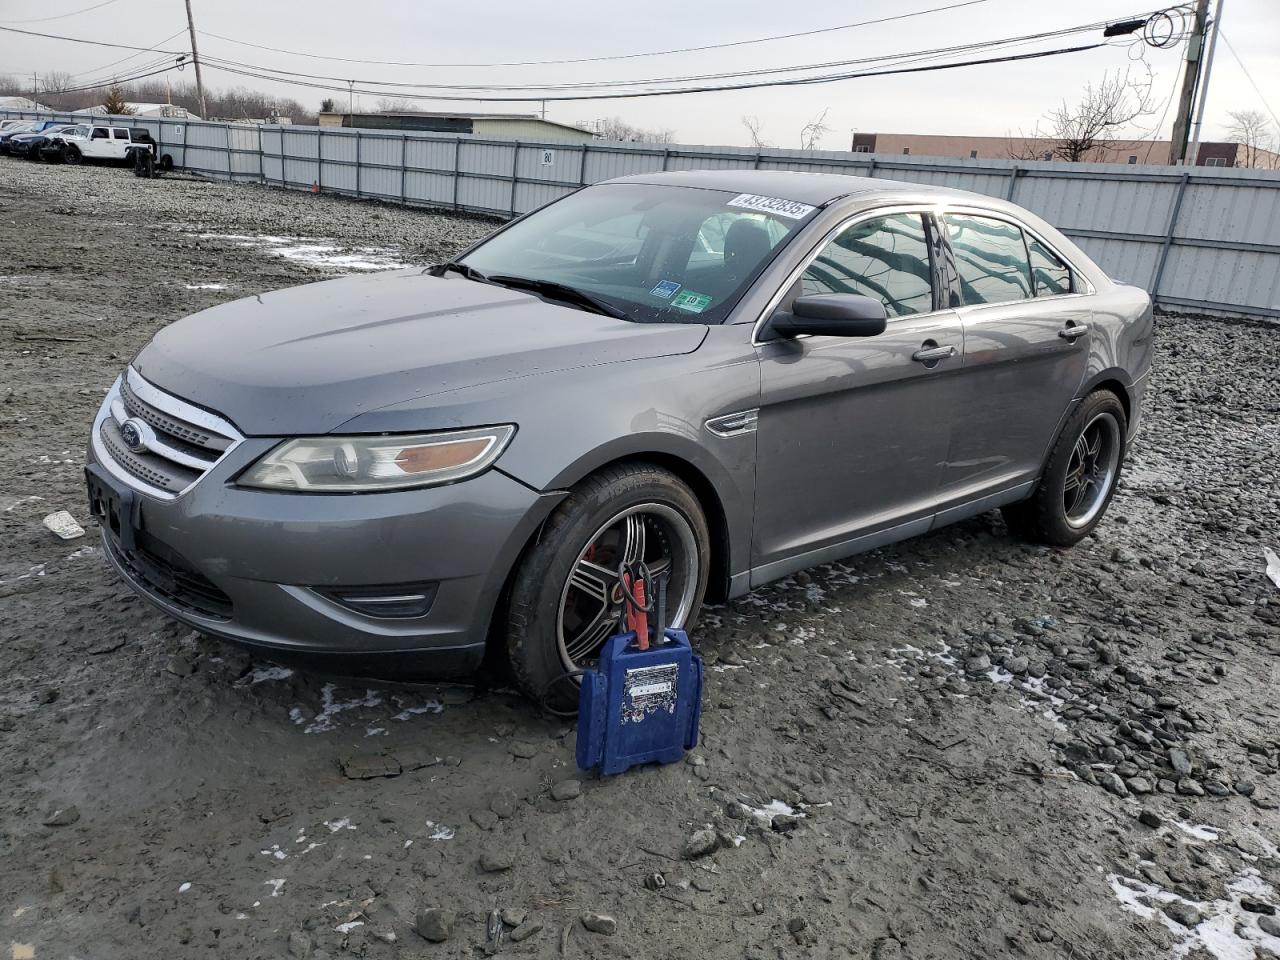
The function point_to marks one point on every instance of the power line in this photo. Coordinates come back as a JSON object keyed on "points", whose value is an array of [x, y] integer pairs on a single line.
{"points": [[152, 49], [63, 16], [1249, 77], [96, 43], [621, 56], [753, 85], [907, 56], [121, 80]]}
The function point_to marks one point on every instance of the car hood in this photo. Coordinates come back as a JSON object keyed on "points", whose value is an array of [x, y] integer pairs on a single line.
{"points": [[306, 359]]}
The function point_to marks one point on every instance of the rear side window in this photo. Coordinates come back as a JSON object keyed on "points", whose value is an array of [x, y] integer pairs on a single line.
{"points": [[119, 134], [1050, 275], [886, 258], [991, 259]]}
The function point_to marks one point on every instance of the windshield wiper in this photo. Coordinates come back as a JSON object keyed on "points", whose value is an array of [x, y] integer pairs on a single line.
{"points": [[560, 291], [454, 266]]}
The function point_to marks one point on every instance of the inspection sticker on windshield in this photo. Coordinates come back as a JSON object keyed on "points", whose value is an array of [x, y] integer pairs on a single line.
{"points": [[775, 205], [665, 289], [693, 302]]}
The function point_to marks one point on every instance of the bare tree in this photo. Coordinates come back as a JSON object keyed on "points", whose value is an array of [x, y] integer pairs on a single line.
{"points": [[811, 133], [1252, 130], [753, 131], [615, 128], [1083, 130], [327, 105], [396, 105]]}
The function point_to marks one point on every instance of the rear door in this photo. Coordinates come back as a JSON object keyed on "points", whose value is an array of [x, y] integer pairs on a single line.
{"points": [[119, 143], [853, 433], [1026, 332]]}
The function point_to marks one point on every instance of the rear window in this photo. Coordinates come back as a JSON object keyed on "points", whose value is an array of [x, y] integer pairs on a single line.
{"points": [[991, 259]]}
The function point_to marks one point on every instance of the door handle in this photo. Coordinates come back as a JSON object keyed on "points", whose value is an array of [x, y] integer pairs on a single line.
{"points": [[933, 354], [1073, 330]]}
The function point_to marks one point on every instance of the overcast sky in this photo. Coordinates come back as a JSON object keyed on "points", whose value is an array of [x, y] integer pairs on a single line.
{"points": [[990, 100]]}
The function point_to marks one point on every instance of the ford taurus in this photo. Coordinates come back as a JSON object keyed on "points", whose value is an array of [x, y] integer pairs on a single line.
{"points": [[728, 375]]}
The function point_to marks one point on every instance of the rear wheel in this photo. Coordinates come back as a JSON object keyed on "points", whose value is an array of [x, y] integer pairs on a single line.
{"points": [[1080, 477], [565, 597]]}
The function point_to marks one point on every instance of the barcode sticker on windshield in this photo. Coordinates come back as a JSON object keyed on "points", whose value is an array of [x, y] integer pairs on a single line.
{"points": [[790, 209]]}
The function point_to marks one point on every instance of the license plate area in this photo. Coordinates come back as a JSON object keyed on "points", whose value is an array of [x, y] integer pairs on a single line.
{"points": [[114, 506]]}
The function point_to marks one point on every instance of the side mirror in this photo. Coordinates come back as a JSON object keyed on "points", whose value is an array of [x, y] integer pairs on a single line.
{"points": [[831, 315]]}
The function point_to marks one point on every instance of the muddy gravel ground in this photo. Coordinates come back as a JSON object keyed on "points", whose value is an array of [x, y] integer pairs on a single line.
{"points": [[960, 746]]}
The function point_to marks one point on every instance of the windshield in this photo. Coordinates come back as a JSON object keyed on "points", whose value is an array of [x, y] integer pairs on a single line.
{"points": [[661, 254]]}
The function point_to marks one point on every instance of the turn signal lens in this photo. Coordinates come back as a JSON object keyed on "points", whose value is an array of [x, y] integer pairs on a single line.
{"points": [[365, 463]]}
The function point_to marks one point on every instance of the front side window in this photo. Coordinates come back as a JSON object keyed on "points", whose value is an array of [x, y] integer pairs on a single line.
{"points": [[661, 254], [1050, 275], [99, 133], [991, 259], [886, 258]]}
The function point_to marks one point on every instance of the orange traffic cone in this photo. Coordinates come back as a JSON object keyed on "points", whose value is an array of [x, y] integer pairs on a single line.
{"points": [[315, 186]]}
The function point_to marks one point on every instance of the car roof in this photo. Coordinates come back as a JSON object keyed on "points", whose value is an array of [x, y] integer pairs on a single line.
{"points": [[818, 189]]}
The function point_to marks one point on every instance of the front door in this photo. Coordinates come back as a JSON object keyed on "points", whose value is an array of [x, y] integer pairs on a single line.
{"points": [[1026, 352], [853, 433]]}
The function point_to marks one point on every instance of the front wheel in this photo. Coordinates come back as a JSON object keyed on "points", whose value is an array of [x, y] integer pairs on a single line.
{"points": [[1080, 477], [72, 154], [566, 600]]}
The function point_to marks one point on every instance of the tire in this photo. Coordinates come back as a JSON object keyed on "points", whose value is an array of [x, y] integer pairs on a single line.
{"points": [[166, 163], [1079, 478], [552, 624], [72, 155]]}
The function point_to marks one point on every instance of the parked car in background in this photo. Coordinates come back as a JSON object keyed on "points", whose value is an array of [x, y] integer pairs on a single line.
{"points": [[29, 126], [11, 124], [31, 145], [104, 143], [726, 375]]}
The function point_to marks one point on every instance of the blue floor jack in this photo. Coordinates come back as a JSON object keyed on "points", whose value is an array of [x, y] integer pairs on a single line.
{"points": [[643, 700]]}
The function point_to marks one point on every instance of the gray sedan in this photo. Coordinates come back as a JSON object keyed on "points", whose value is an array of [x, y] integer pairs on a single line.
{"points": [[729, 376]]}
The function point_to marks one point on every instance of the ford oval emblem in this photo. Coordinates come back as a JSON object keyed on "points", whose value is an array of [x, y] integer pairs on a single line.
{"points": [[133, 433]]}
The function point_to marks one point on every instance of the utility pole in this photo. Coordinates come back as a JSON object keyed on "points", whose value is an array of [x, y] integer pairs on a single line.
{"points": [[1214, 25], [195, 58], [1190, 77], [35, 90]]}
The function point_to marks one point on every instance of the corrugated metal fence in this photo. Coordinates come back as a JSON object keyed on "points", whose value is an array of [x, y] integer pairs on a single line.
{"points": [[1203, 238]]}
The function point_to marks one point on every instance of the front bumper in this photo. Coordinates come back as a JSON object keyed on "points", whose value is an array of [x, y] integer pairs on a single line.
{"points": [[249, 565]]}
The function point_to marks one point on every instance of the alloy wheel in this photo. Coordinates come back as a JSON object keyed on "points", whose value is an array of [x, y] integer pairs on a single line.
{"points": [[1092, 469], [592, 597]]}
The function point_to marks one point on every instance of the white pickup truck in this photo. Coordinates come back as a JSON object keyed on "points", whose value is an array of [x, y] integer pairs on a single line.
{"points": [[111, 143]]}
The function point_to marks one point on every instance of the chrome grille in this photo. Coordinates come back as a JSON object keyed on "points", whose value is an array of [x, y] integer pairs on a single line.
{"points": [[176, 443]]}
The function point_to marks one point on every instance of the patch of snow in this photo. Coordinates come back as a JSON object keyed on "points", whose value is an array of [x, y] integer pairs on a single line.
{"points": [[263, 674], [331, 706], [206, 286], [774, 808], [1201, 831], [275, 885], [343, 823], [275, 852], [441, 832], [319, 253], [407, 713], [183, 888], [1227, 931], [349, 926]]}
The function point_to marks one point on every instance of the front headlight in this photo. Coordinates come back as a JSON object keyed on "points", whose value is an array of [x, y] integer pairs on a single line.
{"points": [[366, 463]]}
